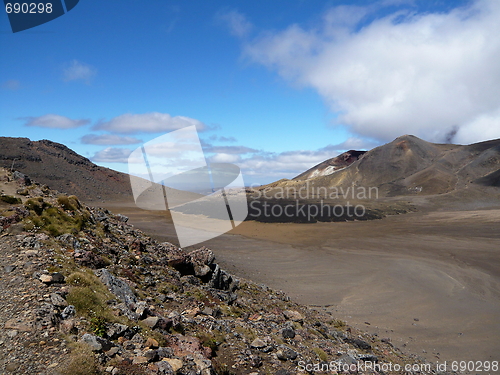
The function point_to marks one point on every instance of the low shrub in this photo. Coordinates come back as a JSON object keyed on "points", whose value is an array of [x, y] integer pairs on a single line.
{"points": [[10, 199], [81, 362]]}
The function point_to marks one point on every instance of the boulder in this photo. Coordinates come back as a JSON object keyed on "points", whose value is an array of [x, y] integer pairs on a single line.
{"points": [[68, 312], [293, 315], [117, 286], [258, 344], [98, 344], [288, 333], [57, 300], [286, 354]]}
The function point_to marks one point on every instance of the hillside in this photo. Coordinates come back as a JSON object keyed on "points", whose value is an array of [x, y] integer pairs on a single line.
{"points": [[62, 169]]}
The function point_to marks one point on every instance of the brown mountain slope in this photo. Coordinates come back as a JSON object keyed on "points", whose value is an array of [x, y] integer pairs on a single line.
{"points": [[331, 165], [60, 168], [411, 166]]}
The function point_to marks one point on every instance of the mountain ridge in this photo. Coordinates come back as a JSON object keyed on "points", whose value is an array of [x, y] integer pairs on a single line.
{"points": [[62, 169], [411, 166]]}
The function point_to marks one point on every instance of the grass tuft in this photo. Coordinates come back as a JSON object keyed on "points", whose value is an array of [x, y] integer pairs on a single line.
{"points": [[81, 362]]}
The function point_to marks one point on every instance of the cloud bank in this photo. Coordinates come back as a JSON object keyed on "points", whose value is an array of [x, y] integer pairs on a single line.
{"points": [[108, 139], [153, 122], [54, 121], [436, 76], [112, 155], [260, 167]]}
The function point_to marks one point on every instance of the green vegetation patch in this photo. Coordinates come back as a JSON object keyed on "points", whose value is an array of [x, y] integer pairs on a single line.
{"points": [[10, 199], [321, 354], [89, 297], [212, 339], [81, 362], [55, 220], [70, 203]]}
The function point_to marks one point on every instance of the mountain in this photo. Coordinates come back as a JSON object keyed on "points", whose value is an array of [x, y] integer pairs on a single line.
{"points": [[409, 166], [62, 169]]}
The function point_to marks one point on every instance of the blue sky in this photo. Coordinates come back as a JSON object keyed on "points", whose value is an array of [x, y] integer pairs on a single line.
{"points": [[273, 86]]}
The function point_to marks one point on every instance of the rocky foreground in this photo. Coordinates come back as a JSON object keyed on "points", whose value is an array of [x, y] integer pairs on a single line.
{"points": [[83, 292]]}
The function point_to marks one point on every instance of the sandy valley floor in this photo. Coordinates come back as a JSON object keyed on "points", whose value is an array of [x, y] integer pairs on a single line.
{"points": [[429, 281]]}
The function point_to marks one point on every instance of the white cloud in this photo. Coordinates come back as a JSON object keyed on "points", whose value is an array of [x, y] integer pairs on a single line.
{"points": [[482, 128], [11, 84], [225, 158], [222, 138], [351, 143], [77, 70], [153, 122], [54, 121], [108, 139], [229, 149], [262, 167], [407, 73], [112, 155], [236, 22]]}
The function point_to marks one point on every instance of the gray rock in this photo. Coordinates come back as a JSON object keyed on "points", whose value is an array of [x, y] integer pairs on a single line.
{"points": [[117, 286], [208, 311], [361, 344], [255, 361], [10, 268], [69, 241], [68, 312], [346, 359], [46, 316], [57, 278], [294, 316], [151, 321], [286, 354], [116, 330], [202, 271], [151, 355], [201, 257], [164, 368], [288, 333], [12, 333], [258, 344], [57, 300], [165, 352], [141, 309], [97, 344], [137, 339], [222, 280], [122, 218], [113, 351]]}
